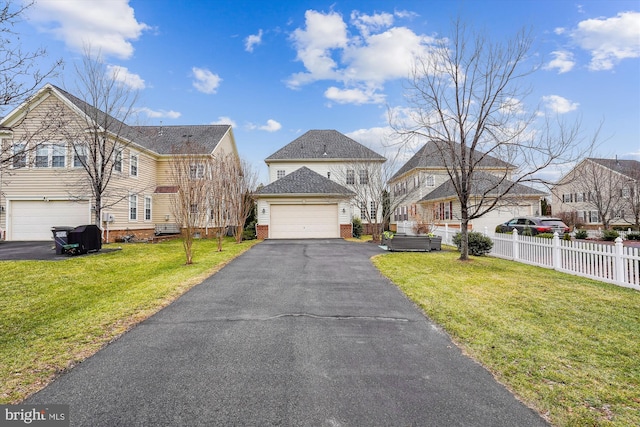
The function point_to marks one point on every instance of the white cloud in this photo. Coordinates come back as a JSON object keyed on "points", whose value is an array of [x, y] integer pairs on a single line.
{"points": [[122, 75], [108, 26], [271, 126], [361, 57], [205, 80], [563, 62], [512, 106], [224, 120], [558, 104], [322, 33], [609, 40], [158, 114], [253, 40], [353, 96]]}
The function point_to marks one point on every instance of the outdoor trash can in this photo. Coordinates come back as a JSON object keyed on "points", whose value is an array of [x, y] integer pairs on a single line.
{"points": [[86, 237], [61, 238]]}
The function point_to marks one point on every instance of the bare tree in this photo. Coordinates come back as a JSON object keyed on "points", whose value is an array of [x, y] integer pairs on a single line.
{"points": [[220, 194], [466, 97], [191, 174], [633, 187], [99, 136], [20, 77], [243, 179]]}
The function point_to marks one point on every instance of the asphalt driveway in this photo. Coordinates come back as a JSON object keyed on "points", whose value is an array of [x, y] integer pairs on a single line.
{"points": [[294, 333]]}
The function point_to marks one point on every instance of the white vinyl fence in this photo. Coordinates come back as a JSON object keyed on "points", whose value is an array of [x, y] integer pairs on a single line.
{"points": [[615, 263]]}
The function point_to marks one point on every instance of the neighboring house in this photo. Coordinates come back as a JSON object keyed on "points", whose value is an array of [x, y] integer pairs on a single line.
{"points": [[422, 193], [314, 183], [598, 191], [47, 187]]}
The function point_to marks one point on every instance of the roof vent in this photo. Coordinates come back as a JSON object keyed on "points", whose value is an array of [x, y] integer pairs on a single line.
{"points": [[324, 153]]}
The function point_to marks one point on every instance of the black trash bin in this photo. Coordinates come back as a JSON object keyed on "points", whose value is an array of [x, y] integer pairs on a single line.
{"points": [[61, 238], [87, 237]]}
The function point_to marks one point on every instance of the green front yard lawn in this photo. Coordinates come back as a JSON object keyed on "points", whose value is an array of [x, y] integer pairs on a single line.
{"points": [[567, 346], [54, 314]]}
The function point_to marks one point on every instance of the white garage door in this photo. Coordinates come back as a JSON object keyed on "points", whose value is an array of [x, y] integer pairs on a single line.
{"points": [[304, 221], [32, 220]]}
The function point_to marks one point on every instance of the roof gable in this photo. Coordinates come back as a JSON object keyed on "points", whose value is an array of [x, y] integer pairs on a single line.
{"points": [[429, 157], [629, 168], [304, 181], [324, 145]]}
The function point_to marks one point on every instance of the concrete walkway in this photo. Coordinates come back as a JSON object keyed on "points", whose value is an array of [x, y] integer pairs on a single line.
{"points": [[292, 333]]}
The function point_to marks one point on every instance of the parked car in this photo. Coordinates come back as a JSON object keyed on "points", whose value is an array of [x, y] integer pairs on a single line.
{"points": [[536, 224]]}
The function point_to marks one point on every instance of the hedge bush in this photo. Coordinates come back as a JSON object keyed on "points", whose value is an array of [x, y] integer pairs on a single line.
{"points": [[581, 234], [479, 244], [357, 227], [610, 235], [633, 236]]}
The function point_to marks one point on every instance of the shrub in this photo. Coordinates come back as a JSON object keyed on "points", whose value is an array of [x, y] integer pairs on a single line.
{"points": [[633, 236], [545, 235], [499, 228], [357, 227], [581, 234], [610, 235], [567, 237], [479, 244]]}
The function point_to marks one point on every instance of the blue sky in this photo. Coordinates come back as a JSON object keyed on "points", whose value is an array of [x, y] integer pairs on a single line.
{"points": [[275, 69]]}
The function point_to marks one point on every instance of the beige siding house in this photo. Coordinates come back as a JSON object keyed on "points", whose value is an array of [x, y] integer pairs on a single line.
{"points": [[43, 183], [598, 191], [315, 187], [422, 194]]}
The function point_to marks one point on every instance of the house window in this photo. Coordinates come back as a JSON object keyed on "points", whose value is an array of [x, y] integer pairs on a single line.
{"points": [[196, 171], [446, 211], [147, 208], [351, 176], [133, 207], [19, 156], [594, 217], [625, 192], [430, 181], [50, 156], [58, 155], [364, 176], [567, 198], [117, 160], [280, 173], [79, 156], [42, 156], [194, 208], [374, 211], [363, 210], [133, 166]]}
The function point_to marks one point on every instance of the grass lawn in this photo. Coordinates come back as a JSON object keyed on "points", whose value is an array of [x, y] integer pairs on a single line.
{"points": [[54, 314], [567, 346]]}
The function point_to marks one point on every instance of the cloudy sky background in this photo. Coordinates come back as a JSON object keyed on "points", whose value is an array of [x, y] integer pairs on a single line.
{"points": [[274, 71]]}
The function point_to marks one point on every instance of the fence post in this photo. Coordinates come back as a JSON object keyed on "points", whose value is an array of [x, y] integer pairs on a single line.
{"points": [[555, 251], [516, 248], [619, 262], [486, 231]]}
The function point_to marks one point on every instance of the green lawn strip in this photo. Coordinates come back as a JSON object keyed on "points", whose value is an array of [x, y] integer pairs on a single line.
{"points": [[54, 314], [565, 345]]}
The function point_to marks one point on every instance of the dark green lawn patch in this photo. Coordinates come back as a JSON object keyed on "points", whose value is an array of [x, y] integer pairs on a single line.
{"points": [[54, 314], [565, 345]]}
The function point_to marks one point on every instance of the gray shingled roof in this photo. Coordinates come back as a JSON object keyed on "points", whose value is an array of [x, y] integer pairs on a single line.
{"points": [[323, 145], [159, 139], [168, 139], [305, 181], [429, 157], [630, 168], [482, 182]]}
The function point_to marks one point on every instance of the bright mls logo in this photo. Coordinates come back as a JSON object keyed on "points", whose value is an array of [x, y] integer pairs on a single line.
{"points": [[34, 415]]}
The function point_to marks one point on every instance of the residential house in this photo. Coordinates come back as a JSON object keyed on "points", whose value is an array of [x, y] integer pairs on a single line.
{"points": [[598, 192], [46, 186], [317, 184], [423, 195]]}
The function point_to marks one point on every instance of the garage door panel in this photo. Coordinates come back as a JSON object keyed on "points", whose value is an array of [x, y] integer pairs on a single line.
{"points": [[33, 219], [304, 221]]}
